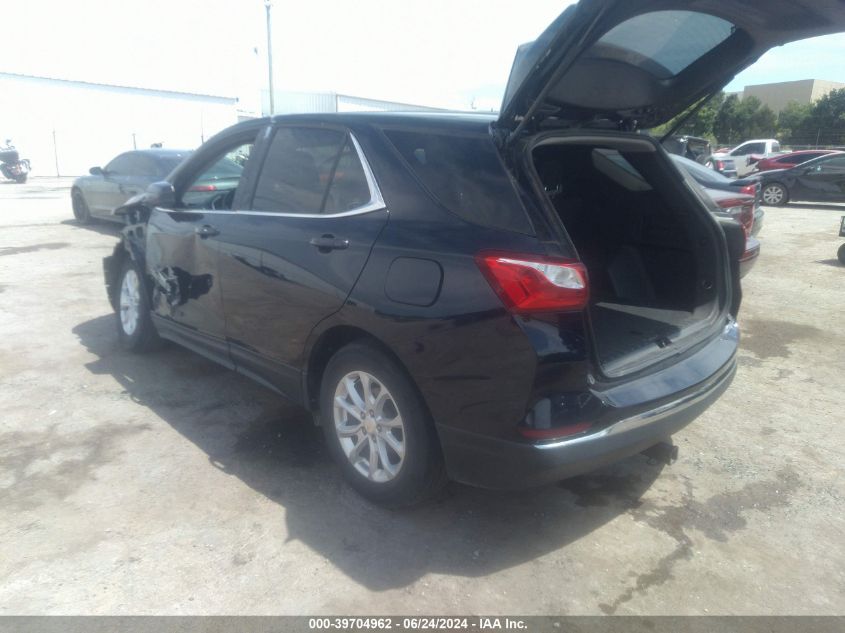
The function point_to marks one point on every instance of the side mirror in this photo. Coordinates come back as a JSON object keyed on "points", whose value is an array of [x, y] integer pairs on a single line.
{"points": [[97, 171], [158, 194]]}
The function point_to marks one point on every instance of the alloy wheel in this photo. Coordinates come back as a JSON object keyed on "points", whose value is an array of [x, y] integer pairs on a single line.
{"points": [[369, 426], [773, 194], [130, 300]]}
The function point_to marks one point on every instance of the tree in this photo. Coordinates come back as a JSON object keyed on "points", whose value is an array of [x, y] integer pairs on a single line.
{"points": [[726, 123], [793, 123], [699, 124], [828, 118]]}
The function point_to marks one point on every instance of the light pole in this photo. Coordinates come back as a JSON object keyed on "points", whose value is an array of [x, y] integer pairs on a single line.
{"points": [[268, 4]]}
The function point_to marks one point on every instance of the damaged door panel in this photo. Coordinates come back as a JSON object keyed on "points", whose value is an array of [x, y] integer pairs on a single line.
{"points": [[182, 263]]}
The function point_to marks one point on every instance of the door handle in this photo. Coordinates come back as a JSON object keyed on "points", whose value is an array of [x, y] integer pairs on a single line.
{"points": [[206, 230], [328, 243]]}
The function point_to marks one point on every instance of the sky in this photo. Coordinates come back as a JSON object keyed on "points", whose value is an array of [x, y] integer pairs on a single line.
{"points": [[443, 53]]}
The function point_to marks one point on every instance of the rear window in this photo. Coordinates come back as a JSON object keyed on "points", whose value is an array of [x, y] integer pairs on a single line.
{"points": [[465, 175], [664, 43]]}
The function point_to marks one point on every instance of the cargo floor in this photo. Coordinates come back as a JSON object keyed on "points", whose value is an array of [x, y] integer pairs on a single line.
{"points": [[625, 332]]}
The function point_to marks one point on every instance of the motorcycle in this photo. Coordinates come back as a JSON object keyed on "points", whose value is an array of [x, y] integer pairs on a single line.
{"points": [[12, 165]]}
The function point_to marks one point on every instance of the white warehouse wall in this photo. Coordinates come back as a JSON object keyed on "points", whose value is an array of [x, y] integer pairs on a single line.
{"points": [[95, 122]]}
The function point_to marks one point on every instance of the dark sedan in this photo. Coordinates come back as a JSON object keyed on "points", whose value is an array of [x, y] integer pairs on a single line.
{"points": [[819, 180], [105, 188]]}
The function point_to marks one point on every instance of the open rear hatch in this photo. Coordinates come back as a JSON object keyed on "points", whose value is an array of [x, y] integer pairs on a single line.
{"points": [[657, 261], [639, 64], [651, 250]]}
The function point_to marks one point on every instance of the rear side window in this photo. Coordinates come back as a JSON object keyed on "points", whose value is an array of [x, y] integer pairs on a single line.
{"points": [[465, 175], [311, 171]]}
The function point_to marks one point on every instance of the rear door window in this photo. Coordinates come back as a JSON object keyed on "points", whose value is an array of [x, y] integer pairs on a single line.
{"points": [[834, 164], [465, 175], [311, 171]]}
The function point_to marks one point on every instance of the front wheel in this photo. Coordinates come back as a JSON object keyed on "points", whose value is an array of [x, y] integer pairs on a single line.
{"points": [[80, 208], [135, 329], [378, 429], [775, 194], [841, 254], [20, 178]]}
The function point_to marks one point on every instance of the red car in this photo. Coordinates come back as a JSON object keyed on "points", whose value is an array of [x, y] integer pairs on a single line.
{"points": [[785, 161], [740, 207]]}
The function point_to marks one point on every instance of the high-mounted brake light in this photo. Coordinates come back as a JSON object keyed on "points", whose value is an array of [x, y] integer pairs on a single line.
{"points": [[532, 283], [203, 188]]}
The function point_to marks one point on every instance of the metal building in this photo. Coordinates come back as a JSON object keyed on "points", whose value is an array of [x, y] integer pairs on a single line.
{"points": [[66, 126]]}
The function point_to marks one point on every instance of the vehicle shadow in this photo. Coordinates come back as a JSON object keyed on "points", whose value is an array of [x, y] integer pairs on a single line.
{"points": [[103, 227], [275, 449], [831, 262]]}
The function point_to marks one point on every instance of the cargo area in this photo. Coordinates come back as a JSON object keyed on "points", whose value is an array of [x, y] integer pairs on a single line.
{"points": [[653, 264]]}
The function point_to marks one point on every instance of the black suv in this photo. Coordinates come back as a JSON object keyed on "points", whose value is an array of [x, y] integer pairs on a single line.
{"points": [[501, 301]]}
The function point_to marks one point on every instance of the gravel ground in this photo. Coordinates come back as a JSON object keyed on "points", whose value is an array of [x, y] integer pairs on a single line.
{"points": [[163, 484]]}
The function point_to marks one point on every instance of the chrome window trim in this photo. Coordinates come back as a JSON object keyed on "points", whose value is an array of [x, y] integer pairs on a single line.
{"points": [[376, 202], [357, 211]]}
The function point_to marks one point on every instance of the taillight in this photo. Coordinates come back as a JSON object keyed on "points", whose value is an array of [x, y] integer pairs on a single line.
{"points": [[720, 165], [203, 188], [740, 210], [532, 283], [749, 190]]}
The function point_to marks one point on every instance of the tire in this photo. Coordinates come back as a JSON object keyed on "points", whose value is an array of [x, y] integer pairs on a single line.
{"points": [[774, 194], [401, 471], [21, 179], [841, 254], [80, 208], [135, 333]]}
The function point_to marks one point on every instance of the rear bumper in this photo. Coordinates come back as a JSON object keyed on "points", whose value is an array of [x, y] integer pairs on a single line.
{"points": [[749, 257], [491, 462]]}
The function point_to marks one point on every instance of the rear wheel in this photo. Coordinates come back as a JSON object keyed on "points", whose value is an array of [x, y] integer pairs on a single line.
{"points": [[377, 428], [775, 194], [80, 207], [841, 254], [135, 328]]}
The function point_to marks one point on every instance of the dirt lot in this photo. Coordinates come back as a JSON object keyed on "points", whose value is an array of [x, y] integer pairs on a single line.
{"points": [[165, 484]]}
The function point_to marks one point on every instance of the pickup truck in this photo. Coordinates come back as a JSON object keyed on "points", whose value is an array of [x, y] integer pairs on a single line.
{"points": [[746, 155]]}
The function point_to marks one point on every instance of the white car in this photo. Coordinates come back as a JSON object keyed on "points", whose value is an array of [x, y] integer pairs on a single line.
{"points": [[741, 154]]}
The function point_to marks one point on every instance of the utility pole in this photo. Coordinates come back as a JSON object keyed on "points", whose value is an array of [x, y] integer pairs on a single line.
{"points": [[268, 4], [56, 153]]}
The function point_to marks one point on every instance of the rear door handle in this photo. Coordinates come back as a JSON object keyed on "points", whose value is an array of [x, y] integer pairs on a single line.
{"points": [[328, 243], [206, 230]]}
